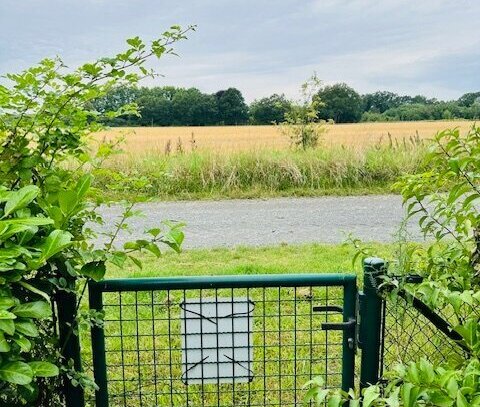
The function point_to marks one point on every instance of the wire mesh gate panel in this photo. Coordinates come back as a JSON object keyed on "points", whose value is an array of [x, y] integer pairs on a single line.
{"points": [[221, 341], [408, 335]]}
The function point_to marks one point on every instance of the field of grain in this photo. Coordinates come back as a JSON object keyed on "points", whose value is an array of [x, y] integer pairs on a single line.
{"points": [[155, 140]]}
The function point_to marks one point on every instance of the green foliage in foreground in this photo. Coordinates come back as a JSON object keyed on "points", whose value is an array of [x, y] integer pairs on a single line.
{"points": [[46, 253], [315, 172], [451, 270]]}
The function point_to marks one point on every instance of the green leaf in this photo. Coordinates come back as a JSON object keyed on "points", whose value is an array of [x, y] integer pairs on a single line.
{"points": [[83, 185], [67, 200], [134, 42], [136, 261], [370, 395], [4, 345], [6, 302], [29, 392], [4, 314], [54, 243], [24, 343], [153, 248], [44, 369], [335, 401], [461, 400], [20, 199], [33, 221], [36, 309], [118, 258], [16, 372], [7, 326], [452, 387], [27, 328], [95, 270]]}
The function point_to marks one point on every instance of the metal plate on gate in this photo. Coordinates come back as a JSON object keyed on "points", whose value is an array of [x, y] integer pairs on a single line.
{"points": [[217, 340]]}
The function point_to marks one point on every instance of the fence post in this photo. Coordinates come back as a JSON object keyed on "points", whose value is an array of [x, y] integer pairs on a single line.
{"points": [[370, 321], [98, 348], [70, 344]]}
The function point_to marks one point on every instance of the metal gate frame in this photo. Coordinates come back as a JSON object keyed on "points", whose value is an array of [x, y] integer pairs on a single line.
{"points": [[349, 311]]}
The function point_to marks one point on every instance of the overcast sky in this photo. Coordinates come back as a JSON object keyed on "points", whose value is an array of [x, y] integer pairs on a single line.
{"points": [[430, 47]]}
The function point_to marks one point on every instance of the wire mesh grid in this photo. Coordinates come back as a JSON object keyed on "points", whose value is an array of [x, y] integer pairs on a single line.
{"points": [[157, 354], [407, 335]]}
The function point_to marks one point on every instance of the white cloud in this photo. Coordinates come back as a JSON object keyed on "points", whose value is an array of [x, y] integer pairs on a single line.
{"points": [[403, 45]]}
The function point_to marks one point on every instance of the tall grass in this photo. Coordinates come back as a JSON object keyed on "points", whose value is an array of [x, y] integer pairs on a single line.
{"points": [[204, 174]]}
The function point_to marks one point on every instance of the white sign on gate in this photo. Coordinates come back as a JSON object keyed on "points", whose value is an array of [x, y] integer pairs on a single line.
{"points": [[217, 340]]}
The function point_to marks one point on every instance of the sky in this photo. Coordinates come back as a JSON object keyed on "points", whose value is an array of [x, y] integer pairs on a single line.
{"points": [[429, 47]]}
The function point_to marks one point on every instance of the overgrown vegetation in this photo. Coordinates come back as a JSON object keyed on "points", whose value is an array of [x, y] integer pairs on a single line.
{"points": [[199, 174], [46, 253], [302, 125], [450, 267]]}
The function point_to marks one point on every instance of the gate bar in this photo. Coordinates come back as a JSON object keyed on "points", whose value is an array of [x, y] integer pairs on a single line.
{"points": [[227, 281]]}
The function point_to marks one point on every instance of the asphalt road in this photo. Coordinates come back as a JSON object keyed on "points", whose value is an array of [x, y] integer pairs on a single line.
{"points": [[256, 222]]}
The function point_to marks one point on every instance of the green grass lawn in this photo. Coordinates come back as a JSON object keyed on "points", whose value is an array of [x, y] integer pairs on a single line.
{"points": [[307, 258]]}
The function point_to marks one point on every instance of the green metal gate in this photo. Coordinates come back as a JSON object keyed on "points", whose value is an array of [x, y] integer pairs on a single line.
{"points": [[251, 340]]}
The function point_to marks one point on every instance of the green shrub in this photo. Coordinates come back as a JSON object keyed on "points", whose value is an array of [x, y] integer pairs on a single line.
{"points": [[445, 198], [46, 115]]}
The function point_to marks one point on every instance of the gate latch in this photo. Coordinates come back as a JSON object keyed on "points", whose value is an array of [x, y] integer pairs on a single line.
{"points": [[339, 326], [348, 326]]}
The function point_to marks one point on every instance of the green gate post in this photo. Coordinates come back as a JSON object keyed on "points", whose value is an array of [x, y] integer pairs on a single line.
{"points": [[370, 321], [98, 349], [70, 344]]}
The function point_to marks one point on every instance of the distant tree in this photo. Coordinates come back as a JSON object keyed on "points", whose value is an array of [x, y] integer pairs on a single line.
{"points": [[340, 103], [380, 101], [418, 99], [410, 112], [156, 106], [231, 107], [190, 107], [468, 99], [269, 110], [373, 117]]}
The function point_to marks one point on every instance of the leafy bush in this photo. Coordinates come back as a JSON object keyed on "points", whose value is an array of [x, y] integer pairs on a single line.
{"points": [[445, 198], [46, 199], [302, 125]]}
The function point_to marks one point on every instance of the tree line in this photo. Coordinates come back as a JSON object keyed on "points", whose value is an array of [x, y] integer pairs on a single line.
{"points": [[173, 106]]}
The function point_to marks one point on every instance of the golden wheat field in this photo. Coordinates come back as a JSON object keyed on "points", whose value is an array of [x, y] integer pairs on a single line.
{"points": [[148, 140]]}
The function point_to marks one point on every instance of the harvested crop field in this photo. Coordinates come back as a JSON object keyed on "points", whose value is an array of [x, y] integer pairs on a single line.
{"points": [[149, 140]]}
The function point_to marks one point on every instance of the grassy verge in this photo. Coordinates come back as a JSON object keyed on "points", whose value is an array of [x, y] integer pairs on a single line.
{"points": [[308, 258], [263, 173]]}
